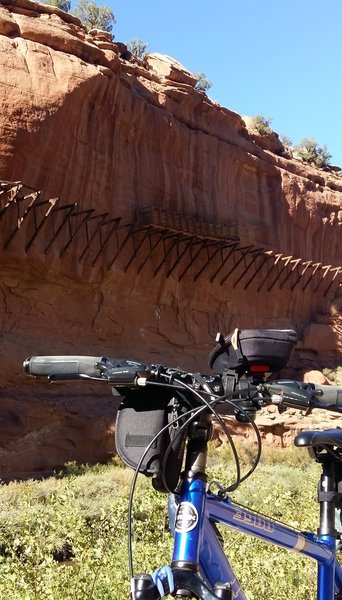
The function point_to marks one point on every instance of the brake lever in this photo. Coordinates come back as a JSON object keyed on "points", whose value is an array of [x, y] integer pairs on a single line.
{"points": [[72, 377], [124, 373], [292, 394]]}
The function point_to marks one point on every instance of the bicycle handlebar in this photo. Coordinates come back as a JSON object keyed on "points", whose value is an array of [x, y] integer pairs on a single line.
{"points": [[296, 394], [330, 394], [129, 373], [50, 366], [84, 367]]}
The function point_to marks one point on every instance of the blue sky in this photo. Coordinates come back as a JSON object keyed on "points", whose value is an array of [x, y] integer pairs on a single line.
{"points": [[280, 59]]}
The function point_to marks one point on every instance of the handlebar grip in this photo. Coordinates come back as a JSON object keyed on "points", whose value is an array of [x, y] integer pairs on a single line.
{"points": [[330, 395], [298, 394], [49, 366]]}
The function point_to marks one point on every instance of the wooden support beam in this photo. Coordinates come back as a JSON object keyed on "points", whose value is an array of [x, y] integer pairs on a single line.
{"points": [[305, 265], [338, 271], [39, 225], [188, 242], [223, 262], [68, 208], [295, 262], [202, 244], [257, 252], [23, 207], [85, 214], [236, 264], [146, 233], [264, 257], [314, 267], [218, 247], [113, 227], [286, 260], [167, 252], [153, 247], [325, 271], [101, 218]]}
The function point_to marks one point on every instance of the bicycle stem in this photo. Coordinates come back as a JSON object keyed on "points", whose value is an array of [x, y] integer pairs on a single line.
{"points": [[190, 512], [190, 515], [197, 447]]}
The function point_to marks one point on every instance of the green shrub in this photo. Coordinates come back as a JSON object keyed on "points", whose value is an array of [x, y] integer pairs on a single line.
{"points": [[137, 47], [312, 153], [62, 4], [93, 16], [261, 124], [285, 140], [203, 84]]}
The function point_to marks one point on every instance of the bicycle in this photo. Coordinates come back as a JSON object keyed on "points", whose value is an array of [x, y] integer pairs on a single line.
{"points": [[163, 429]]}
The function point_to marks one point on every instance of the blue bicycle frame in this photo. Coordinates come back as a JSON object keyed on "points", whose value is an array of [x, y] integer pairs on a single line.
{"points": [[199, 567], [196, 541]]}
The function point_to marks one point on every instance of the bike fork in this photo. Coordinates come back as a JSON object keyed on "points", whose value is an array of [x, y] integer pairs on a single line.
{"points": [[179, 583]]}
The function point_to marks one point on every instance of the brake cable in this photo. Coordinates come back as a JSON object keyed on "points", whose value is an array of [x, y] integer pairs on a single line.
{"points": [[239, 479], [192, 413]]}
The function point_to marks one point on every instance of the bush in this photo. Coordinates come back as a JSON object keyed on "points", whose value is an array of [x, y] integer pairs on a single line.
{"points": [[261, 124], [137, 47], [62, 4], [310, 152], [93, 16], [203, 84], [285, 140]]}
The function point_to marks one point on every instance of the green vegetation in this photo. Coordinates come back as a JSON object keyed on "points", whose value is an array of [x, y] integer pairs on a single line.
{"points": [[308, 150], [261, 124], [203, 84], [137, 47], [314, 154], [62, 4], [65, 537], [93, 16], [285, 140]]}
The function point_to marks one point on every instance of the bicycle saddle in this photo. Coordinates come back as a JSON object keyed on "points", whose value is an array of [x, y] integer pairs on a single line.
{"points": [[329, 437]]}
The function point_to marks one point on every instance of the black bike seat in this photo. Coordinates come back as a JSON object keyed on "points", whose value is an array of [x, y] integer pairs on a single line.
{"points": [[329, 437]]}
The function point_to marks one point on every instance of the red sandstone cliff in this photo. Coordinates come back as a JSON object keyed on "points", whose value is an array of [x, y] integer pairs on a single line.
{"points": [[150, 220]]}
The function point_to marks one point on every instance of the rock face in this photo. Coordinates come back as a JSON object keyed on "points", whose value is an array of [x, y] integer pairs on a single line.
{"points": [[277, 431], [43, 431], [148, 219]]}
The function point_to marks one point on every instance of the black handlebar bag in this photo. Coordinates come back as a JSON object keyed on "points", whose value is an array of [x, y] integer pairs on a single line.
{"points": [[245, 349], [141, 417]]}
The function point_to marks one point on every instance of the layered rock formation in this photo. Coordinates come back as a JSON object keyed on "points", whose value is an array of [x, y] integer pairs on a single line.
{"points": [[149, 219], [277, 431]]}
